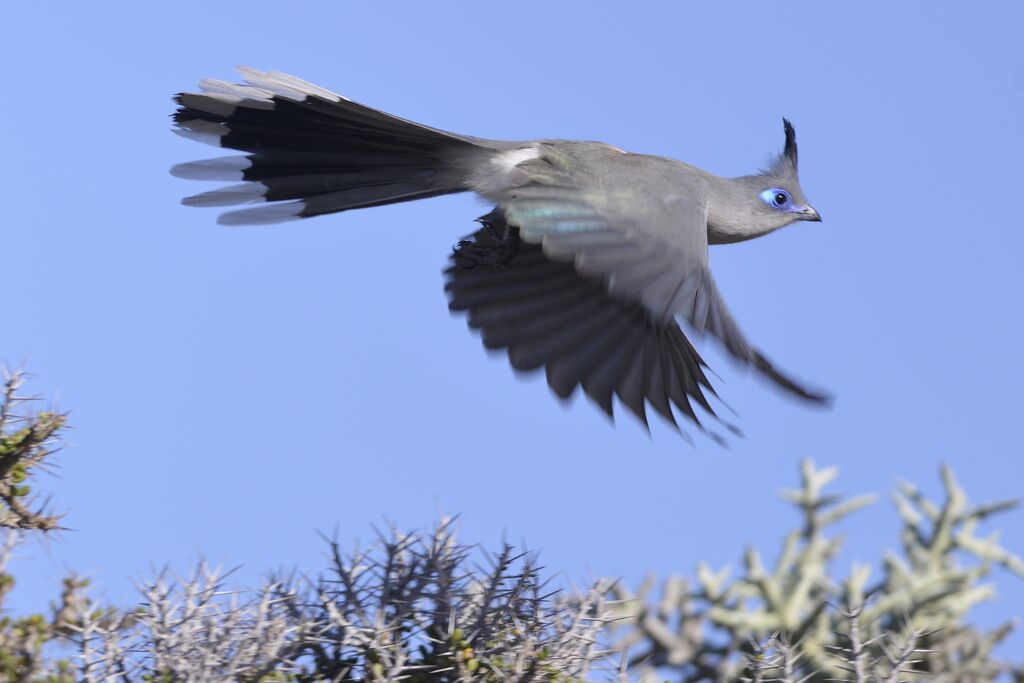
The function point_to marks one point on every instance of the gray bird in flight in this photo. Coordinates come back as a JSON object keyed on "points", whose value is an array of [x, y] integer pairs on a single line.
{"points": [[585, 265]]}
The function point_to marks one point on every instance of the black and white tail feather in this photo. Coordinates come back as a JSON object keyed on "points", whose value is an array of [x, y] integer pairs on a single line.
{"points": [[310, 152]]}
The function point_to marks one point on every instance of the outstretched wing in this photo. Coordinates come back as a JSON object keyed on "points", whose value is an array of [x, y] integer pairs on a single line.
{"points": [[548, 315], [635, 223]]}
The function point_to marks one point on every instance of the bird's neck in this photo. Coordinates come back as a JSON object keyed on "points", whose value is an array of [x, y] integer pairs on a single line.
{"points": [[730, 214]]}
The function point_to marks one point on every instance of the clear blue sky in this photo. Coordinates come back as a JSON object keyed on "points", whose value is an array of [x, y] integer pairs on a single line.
{"points": [[233, 390]]}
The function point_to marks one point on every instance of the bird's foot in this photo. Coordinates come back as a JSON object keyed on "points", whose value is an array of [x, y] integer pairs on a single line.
{"points": [[488, 248]]}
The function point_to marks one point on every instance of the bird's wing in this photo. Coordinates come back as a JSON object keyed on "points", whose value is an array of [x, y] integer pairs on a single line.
{"points": [[639, 231], [548, 315]]}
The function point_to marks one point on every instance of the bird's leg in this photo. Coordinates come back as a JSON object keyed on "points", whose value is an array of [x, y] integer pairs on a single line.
{"points": [[489, 247]]}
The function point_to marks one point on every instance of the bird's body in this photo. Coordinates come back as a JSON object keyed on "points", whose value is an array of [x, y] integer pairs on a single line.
{"points": [[588, 259]]}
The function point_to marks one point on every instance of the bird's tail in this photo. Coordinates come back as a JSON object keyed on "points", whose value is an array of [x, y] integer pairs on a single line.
{"points": [[313, 152]]}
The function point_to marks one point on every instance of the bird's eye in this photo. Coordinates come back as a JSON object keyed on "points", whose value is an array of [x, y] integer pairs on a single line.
{"points": [[776, 197]]}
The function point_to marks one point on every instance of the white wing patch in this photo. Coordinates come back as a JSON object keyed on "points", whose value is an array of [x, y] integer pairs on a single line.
{"points": [[506, 161]]}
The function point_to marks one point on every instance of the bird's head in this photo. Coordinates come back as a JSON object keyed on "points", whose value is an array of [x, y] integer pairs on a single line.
{"points": [[755, 205], [778, 196]]}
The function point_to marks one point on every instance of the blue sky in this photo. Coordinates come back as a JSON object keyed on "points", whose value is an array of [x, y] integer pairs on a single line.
{"points": [[234, 390]]}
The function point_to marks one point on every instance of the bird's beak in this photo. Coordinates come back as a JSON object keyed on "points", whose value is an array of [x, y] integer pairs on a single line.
{"points": [[809, 213]]}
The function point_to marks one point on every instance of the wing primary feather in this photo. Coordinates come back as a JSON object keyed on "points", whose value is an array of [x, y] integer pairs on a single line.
{"points": [[512, 310], [688, 357], [541, 324], [600, 385], [530, 289], [630, 387], [567, 371], [654, 386], [532, 352], [762, 364], [671, 380]]}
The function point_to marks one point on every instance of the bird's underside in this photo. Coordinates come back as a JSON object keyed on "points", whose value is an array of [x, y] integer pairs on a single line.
{"points": [[583, 269]]}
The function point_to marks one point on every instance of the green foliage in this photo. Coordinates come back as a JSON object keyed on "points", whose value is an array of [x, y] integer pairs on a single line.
{"points": [[415, 608], [425, 609], [27, 439], [825, 627]]}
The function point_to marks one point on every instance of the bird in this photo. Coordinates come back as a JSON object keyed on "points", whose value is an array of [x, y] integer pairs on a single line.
{"points": [[586, 266]]}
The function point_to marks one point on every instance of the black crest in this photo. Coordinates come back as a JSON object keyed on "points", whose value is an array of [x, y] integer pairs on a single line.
{"points": [[790, 149]]}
